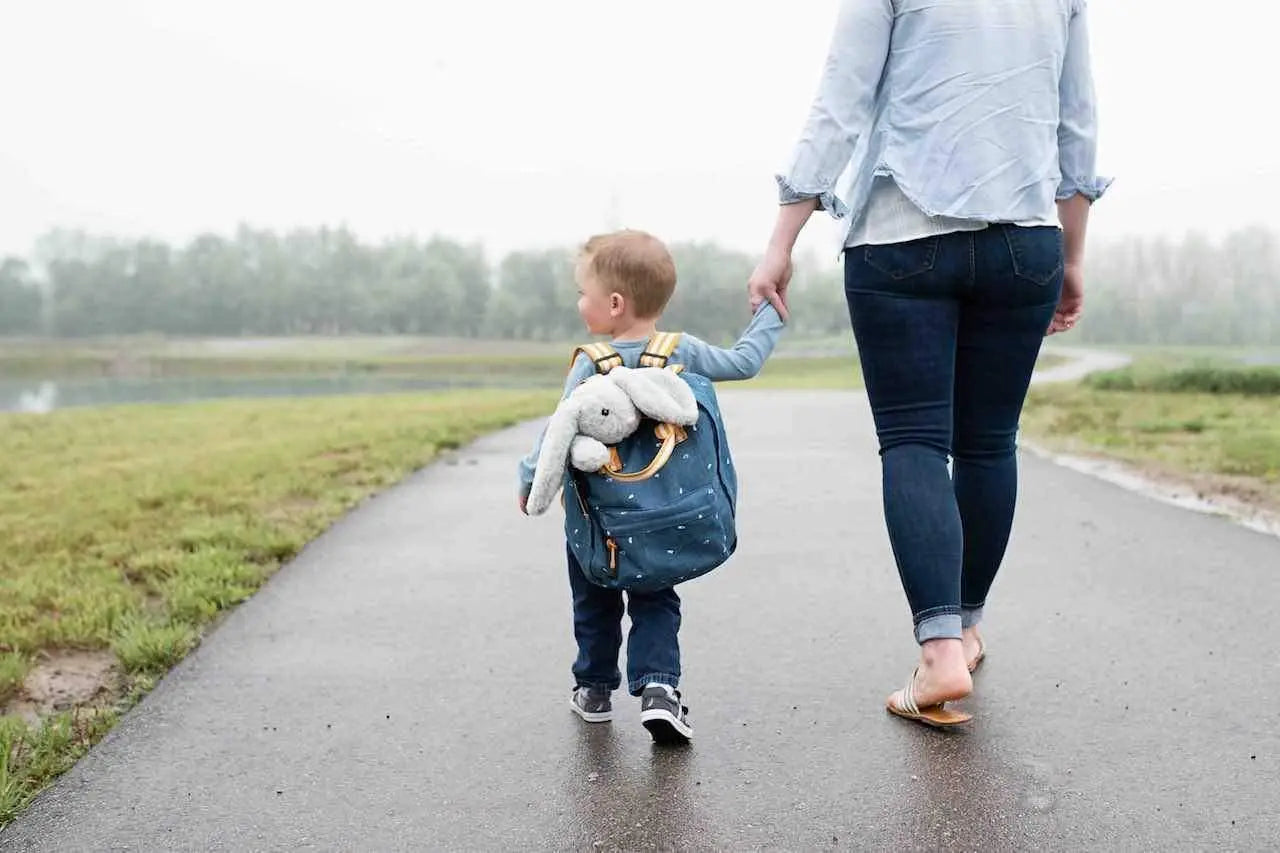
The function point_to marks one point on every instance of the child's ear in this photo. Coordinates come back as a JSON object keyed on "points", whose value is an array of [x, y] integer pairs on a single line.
{"points": [[617, 304]]}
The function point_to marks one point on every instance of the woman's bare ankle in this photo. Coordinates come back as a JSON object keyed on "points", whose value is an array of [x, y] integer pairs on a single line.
{"points": [[944, 672]]}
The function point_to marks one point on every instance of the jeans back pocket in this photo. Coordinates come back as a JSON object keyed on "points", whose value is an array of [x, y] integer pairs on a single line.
{"points": [[1036, 252], [903, 260]]}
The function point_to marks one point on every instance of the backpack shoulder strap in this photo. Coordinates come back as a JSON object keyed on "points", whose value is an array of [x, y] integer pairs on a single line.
{"points": [[602, 355], [659, 349]]}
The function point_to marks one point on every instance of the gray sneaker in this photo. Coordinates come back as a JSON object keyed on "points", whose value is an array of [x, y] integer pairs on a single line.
{"points": [[663, 715], [592, 704]]}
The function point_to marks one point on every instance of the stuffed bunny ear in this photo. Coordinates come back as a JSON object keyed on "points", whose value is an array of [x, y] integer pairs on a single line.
{"points": [[660, 393], [548, 474]]}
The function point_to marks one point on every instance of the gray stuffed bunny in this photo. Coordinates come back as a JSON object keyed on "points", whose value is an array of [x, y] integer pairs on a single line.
{"points": [[602, 411]]}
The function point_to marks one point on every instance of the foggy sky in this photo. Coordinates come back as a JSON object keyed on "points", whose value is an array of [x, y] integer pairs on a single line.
{"points": [[524, 125]]}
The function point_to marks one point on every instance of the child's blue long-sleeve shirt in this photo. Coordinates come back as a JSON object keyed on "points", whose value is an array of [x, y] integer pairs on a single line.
{"points": [[741, 361]]}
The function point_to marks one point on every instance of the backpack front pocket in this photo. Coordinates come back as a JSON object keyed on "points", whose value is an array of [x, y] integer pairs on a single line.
{"points": [[658, 548]]}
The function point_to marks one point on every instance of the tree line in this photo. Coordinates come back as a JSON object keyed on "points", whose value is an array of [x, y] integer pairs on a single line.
{"points": [[327, 281], [1192, 291]]}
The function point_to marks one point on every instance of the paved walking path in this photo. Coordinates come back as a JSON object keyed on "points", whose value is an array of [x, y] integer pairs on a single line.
{"points": [[402, 685]]}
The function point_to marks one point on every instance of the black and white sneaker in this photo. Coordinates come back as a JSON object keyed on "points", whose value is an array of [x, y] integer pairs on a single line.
{"points": [[664, 716], [592, 704]]}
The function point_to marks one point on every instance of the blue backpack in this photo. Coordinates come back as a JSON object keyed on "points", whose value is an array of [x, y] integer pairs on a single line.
{"points": [[668, 514]]}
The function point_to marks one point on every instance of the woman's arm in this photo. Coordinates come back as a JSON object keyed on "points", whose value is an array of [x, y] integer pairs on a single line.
{"points": [[1078, 116], [1080, 185], [840, 115], [1073, 213], [842, 108], [768, 283]]}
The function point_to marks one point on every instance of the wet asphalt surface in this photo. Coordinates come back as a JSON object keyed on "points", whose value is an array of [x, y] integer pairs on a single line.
{"points": [[403, 684]]}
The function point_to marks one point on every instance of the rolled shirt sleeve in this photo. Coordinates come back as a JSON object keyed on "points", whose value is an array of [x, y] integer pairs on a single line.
{"points": [[842, 110], [1078, 116]]}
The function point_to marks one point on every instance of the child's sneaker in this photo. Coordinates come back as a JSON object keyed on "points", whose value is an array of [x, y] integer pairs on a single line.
{"points": [[592, 704], [664, 716]]}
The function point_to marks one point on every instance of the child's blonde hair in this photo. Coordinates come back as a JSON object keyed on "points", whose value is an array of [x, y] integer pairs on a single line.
{"points": [[635, 264]]}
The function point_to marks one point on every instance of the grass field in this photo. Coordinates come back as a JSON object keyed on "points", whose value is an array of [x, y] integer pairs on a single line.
{"points": [[129, 529], [1183, 415]]}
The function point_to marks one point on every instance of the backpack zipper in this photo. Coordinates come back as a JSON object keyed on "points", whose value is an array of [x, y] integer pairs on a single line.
{"points": [[609, 543]]}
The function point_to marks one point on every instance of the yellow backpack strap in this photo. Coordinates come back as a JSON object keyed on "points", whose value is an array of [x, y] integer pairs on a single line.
{"points": [[659, 349], [603, 356]]}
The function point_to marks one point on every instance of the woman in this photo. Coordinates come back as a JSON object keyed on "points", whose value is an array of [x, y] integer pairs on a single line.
{"points": [[956, 137]]}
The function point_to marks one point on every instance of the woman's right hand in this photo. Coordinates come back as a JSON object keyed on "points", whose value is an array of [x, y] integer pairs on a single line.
{"points": [[1071, 302], [1073, 213], [770, 280]]}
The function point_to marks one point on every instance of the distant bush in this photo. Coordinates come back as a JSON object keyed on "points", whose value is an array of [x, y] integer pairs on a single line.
{"points": [[1112, 380], [1198, 379]]}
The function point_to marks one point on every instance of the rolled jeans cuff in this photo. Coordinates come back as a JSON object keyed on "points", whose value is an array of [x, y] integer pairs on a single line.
{"points": [[941, 626], [636, 687]]}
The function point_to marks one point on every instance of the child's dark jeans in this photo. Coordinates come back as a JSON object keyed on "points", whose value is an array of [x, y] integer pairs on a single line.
{"points": [[653, 647]]}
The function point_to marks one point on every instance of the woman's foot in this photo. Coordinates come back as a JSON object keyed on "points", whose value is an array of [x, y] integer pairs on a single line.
{"points": [[974, 649], [943, 676]]}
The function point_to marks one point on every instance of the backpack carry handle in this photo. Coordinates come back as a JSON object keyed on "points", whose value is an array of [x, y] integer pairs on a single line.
{"points": [[671, 435]]}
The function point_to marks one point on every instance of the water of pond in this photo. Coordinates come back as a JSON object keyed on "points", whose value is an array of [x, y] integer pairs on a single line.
{"points": [[45, 396]]}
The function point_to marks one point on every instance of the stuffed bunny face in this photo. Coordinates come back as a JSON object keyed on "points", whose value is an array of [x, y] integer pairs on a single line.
{"points": [[603, 410]]}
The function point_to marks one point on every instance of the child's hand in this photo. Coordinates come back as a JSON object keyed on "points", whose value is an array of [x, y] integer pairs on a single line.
{"points": [[523, 501]]}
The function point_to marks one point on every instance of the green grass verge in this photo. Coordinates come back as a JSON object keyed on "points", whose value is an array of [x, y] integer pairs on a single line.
{"points": [[1219, 425], [1198, 378], [131, 528], [33, 756]]}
